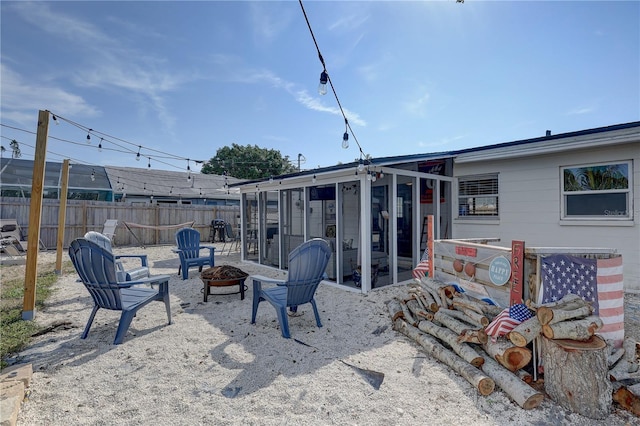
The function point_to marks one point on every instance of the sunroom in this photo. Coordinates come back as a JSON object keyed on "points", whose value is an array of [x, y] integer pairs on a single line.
{"points": [[372, 214]]}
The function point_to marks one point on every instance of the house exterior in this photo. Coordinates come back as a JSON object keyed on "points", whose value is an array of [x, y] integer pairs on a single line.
{"points": [[568, 190], [112, 183]]}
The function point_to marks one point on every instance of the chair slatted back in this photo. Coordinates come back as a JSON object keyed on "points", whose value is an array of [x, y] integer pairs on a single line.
{"points": [[307, 265], [188, 240], [96, 267]]}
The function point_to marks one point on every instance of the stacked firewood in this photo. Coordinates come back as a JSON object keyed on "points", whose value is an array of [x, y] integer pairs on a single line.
{"points": [[450, 326]]}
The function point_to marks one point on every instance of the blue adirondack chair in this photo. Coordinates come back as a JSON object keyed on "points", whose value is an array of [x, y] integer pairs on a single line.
{"points": [[122, 273], [188, 248], [96, 267], [307, 264]]}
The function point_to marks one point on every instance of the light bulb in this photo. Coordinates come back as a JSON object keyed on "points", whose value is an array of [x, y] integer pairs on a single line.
{"points": [[138, 157], [322, 87], [373, 177], [360, 166], [89, 137], [345, 140], [100, 145], [93, 176], [368, 176], [314, 179]]}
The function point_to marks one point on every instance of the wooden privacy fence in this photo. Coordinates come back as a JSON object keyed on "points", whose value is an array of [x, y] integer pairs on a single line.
{"points": [[84, 216]]}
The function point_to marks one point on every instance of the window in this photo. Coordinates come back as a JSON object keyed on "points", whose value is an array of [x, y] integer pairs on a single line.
{"points": [[597, 191], [478, 196]]}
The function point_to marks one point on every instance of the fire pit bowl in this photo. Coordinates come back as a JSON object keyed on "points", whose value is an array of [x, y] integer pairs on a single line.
{"points": [[223, 276]]}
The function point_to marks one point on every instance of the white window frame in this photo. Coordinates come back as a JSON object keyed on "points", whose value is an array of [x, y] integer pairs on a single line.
{"points": [[477, 214], [608, 215]]}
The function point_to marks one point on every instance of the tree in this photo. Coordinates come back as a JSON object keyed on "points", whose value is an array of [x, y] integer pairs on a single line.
{"points": [[248, 162]]}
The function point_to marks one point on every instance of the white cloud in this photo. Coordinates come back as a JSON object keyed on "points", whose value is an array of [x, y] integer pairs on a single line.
{"points": [[581, 110], [21, 99], [419, 105]]}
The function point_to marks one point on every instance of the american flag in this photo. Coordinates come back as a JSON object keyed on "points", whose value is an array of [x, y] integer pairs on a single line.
{"points": [[599, 281], [422, 268], [507, 320]]}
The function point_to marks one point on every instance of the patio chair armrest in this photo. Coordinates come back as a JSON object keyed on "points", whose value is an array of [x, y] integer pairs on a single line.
{"points": [[143, 258], [212, 249], [258, 280], [161, 280]]}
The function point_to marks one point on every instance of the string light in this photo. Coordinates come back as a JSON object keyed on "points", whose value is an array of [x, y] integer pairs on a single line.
{"points": [[188, 171], [313, 179], [345, 136], [149, 163], [100, 145], [324, 77], [88, 135], [93, 175], [138, 154], [360, 165], [322, 87], [55, 120]]}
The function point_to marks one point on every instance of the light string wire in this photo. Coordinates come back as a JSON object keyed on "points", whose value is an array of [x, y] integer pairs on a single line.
{"points": [[125, 150], [132, 171], [335, 94]]}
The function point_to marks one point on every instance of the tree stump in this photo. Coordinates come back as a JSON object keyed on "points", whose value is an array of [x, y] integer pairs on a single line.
{"points": [[576, 375]]}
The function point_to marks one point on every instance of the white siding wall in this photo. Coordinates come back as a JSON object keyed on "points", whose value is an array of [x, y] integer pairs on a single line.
{"points": [[530, 202]]}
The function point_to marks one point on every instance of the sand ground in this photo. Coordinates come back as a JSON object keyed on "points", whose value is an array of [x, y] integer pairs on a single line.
{"points": [[211, 366]]}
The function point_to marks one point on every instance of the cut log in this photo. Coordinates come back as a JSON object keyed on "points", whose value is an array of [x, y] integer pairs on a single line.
{"points": [[452, 323], [525, 376], [513, 358], [478, 337], [417, 311], [576, 375], [461, 316], [476, 318], [407, 314], [581, 329], [446, 295], [415, 294], [465, 351], [614, 357], [627, 400], [520, 392], [480, 306], [394, 308], [525, 332], [484, 384], [433, 292], [548, 316], [627, 366], [569, 297], [634, 389]]}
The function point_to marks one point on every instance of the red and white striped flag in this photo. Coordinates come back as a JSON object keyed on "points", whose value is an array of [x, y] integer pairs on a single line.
{"points": [[422, 268], [599, 281]]}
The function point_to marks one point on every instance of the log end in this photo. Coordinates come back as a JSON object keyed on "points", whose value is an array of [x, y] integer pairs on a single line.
{"points": [[533, 401], [517, 358], [486, 386], [517, 339], [477, 362]]}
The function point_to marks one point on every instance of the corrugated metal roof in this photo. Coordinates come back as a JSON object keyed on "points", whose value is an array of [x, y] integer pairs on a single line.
{"points": [[139, 181]]}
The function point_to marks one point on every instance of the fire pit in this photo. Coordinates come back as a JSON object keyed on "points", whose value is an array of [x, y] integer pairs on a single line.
{"points": [[223, 276]]}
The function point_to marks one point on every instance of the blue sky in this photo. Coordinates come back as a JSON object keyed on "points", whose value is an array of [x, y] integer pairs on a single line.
{"points": [[187, 78]]}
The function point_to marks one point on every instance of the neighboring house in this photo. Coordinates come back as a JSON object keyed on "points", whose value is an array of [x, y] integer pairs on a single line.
{"points": [[109, 183], [568, 190]]}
